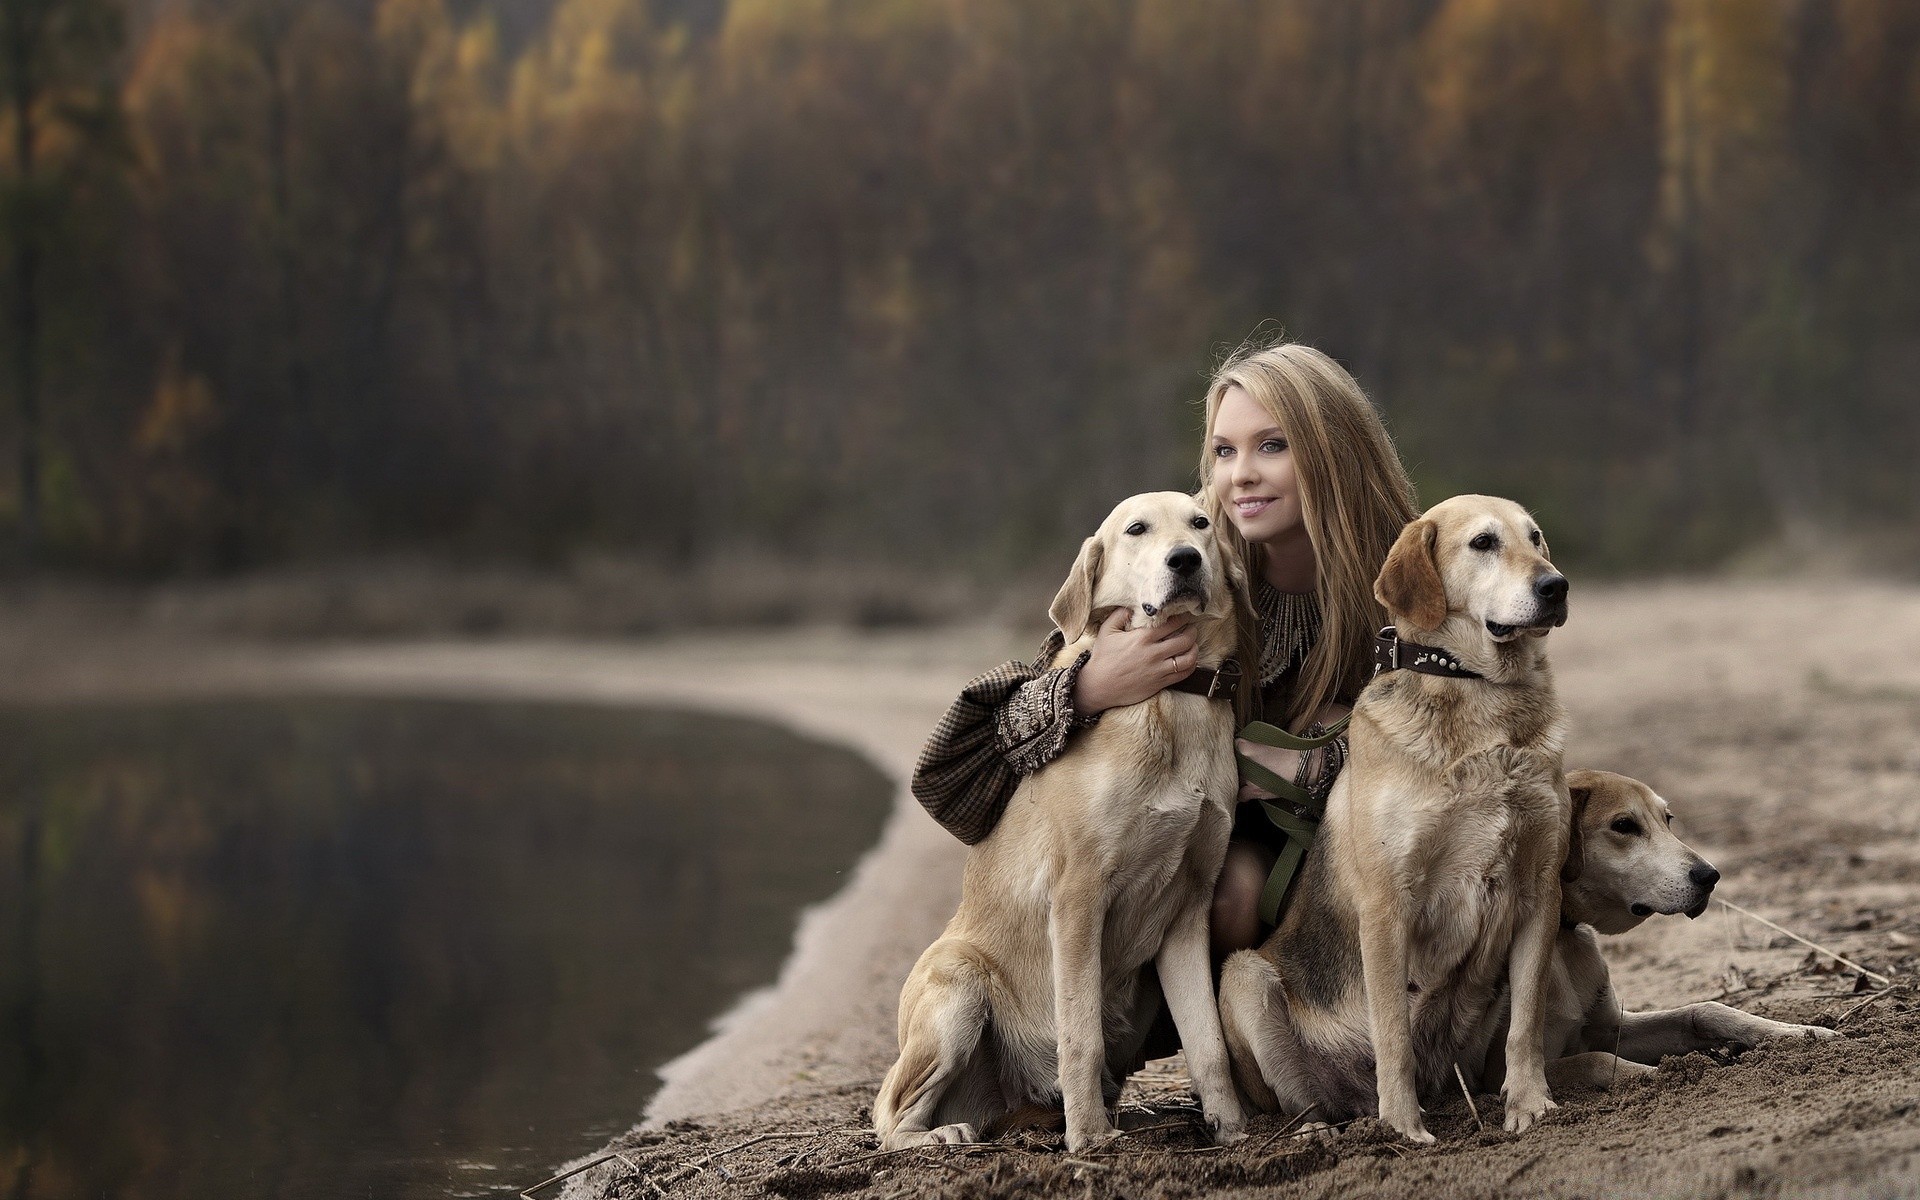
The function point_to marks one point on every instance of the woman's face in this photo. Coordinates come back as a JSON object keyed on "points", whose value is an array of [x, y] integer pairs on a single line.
{"points": [[1253, 469]]}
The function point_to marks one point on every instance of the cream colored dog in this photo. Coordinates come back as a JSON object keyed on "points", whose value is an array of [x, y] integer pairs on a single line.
{"points": [[1435, 874], [1104, 861], [1626, 864]]}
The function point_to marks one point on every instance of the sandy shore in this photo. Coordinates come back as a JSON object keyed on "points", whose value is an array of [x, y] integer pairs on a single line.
{"points": [[1781, 721]]}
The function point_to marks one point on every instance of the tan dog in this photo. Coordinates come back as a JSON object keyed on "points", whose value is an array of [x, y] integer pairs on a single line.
{"points": [[1625, 864], [1104, 862], [1435, 875]]}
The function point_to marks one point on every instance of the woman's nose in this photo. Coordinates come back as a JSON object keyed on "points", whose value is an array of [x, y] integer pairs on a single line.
{"points": [[1243, 471]]}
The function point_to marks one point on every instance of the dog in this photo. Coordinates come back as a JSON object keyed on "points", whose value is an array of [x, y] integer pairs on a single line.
{"points": [[1104, 862], [1625, 864], [1434, 878]]}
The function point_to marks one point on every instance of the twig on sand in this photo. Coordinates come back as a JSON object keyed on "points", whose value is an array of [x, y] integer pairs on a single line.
{"points": [[694, 1166], [1849, 1014], [527, 1193], [1471, 1106], [875, 1156], [1834, 955], [1127, 1133], [1293, 1127]]}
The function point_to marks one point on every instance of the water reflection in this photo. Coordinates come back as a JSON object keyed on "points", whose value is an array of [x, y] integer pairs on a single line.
{"points": [[334, 949]]}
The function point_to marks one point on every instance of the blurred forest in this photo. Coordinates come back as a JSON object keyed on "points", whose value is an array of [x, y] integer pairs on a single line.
{"points": [[936, 281]]}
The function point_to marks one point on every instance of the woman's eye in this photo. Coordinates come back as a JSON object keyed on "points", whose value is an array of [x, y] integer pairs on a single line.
{"points": [[1274, 445], [1483, 542], [1222, 451], [1137, 528], [1199, 522], [1625, 825]]}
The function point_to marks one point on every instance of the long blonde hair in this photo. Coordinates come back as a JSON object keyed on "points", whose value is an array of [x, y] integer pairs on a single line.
{"points": [[1354, 499]]}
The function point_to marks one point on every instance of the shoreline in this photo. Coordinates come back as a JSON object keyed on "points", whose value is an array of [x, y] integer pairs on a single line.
{"points": [[873, 694], [811, 1046]]}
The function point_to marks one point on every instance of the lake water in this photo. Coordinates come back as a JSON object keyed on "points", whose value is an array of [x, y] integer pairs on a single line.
{"points": [[338, 949]]}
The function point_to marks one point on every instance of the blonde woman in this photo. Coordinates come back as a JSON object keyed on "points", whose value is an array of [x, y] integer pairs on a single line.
{"points": [[1297, 467]]}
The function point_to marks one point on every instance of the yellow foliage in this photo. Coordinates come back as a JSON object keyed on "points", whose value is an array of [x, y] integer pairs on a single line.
{"points": [[181, 412]]}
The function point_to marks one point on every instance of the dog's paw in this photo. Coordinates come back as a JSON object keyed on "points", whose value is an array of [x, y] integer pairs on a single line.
{"points": [[944, 1135], [1228, 1129], [1407, 1123], [1525, 1111], [1817, 1033], [1091, 1136]]}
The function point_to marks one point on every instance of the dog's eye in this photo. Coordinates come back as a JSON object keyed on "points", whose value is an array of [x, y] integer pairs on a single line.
{"points": [[1137, 528], [1534, 537], [1669, 818], [1484, 542], [1626, 825], [1199, 522]]}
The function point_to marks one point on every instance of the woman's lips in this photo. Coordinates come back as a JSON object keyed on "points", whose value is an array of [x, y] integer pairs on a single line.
{"points": [[1252, 508]]}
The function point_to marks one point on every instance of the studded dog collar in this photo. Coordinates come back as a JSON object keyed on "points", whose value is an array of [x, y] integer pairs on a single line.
{"points": [[1392, 654]]}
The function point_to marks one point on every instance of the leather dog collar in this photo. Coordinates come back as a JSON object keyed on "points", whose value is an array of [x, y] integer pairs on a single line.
{"points": [[1218, 683], [1392, 654]]}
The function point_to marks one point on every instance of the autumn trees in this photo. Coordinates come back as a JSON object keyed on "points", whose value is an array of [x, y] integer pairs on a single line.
{"points": [[937, 277]]}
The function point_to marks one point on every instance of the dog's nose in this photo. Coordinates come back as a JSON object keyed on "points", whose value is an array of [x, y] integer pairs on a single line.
{"points": [[1551, 588], [1703, 875], [1184, 561]]}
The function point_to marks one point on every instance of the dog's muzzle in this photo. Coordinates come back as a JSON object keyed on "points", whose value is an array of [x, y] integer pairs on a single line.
{"points": [[1702, 875]]}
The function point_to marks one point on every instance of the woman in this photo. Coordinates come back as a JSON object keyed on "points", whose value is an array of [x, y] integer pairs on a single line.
{"points": [[1299, 473]]}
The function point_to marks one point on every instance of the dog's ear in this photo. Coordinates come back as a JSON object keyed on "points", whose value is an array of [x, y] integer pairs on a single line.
{"points": [[1226, 603], [1072, 607], [1576, 845], [1236, 567], [1409, 584]]}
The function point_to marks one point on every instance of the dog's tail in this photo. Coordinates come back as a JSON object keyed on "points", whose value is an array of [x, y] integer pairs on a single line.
{"points": [[1248, 984]]}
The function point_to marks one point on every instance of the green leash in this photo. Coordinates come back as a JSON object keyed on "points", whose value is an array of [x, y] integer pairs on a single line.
{"points": [[1298, 820]]}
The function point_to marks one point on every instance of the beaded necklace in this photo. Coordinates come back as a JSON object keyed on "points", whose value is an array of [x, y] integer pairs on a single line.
{"points": [[1289, 623]]}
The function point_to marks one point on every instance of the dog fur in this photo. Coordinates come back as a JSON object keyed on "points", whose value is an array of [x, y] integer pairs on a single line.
{"points": [[1434, 879], [1625, 864], [1103, 862]]}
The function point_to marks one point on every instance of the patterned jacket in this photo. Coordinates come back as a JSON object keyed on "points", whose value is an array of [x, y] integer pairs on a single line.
{"points": [[1007, 723]]}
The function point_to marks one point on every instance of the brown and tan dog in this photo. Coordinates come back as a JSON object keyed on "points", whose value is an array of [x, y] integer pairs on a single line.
{"points": [[1625, 865], [1434, 878], [1104, 862]]}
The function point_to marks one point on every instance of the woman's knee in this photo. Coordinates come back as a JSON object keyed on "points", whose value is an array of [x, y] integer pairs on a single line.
{"points": [[1236, 898]]}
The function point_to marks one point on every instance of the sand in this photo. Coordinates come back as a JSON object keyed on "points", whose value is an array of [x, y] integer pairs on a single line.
{"points": [[1781, 720]]}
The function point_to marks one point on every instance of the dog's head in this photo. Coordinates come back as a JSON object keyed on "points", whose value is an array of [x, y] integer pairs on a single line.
{"points": [[1624, 862], [1479, 562], [1157, 554]]}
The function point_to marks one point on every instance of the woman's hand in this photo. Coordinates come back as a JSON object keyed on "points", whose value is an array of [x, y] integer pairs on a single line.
{"points": [[1129, 665], [1285, 763]]}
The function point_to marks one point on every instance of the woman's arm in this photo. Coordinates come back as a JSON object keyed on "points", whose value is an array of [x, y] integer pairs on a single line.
{"points": [[1322, 769], [1016, 718], [1010, 715]]}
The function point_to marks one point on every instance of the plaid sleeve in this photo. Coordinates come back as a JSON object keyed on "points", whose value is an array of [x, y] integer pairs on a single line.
{"points": [[1006, 723]]}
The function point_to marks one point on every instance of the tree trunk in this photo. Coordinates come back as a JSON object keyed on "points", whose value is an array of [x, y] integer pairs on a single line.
{"points": [[23, 34]]}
